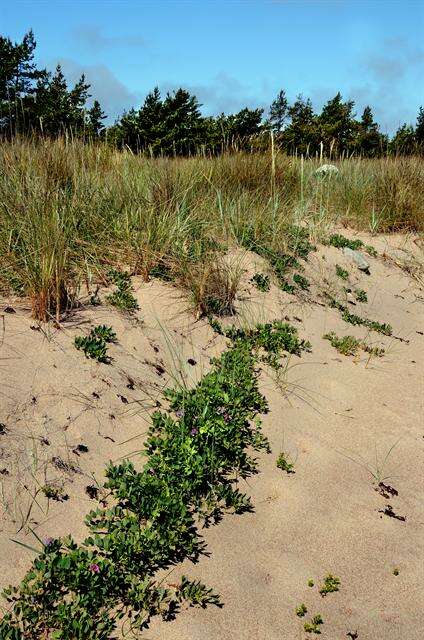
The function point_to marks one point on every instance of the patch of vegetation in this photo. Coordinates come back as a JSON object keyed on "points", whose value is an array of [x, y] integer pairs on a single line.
{"points": [[95, 344], [193, 465], [196, 593], [395, 571], [122, 297], [104, 333], [284, 464], [360, 295], [372, 251], [314, 625], [354, 319], [212, 284], [342, 273], [340, 242], [301, 610], [95, 299], [349, 345], [298, 248], [287, 287], [162, 271], [271, 339], [311, 583], [261, 282], [331, 584], [301, 281], [53, 492]]}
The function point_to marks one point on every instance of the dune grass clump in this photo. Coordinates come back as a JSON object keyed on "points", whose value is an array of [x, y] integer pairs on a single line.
{"points": [[69, 210]]}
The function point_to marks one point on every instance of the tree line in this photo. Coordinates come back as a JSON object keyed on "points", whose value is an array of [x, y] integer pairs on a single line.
{"points": [[37, 101]]}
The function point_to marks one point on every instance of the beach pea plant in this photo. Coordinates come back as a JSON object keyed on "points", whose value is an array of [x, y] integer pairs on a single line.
{"points": [[352, 318], [95, 344], [314, 625], [339, 241], [195, 455], [122, 297], [261, 282], [349, 345]]}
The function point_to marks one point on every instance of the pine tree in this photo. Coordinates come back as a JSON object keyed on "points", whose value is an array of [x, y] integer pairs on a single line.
{"points": [[183, 126], [369, 141], [403, 141], [336, 123], [18, 77], [279, 112], [419, 128], [301, 136], [95, 116]]}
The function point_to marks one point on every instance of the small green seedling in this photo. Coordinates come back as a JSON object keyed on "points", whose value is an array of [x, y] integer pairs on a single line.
{"points": [[122, 297], [94, 345], [341, 273], [331, 584], [283, 463], [361, 295], [104, 333], [352, 318], [301, 610], [196, 593], [311, 583], [95, 300], [349, 345], [314, 625], [339, 241], [216, 325], [287, 287], [52, 492], [372, 251], [301, 281], [261, 282]]}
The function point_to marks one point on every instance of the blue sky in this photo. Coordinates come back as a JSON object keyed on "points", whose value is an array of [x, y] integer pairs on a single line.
{"points": [[232, 53]]}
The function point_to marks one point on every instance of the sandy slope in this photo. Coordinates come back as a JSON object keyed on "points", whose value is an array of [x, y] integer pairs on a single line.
{"points": [[334, 415]]}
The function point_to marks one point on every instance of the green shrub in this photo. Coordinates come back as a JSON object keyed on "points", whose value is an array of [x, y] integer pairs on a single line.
{"points": [[341, 273], [349, 345], [261, 282], [95, 344], [195, 456], [122, 297], [331, 584], [283, 463], [314, 625]]}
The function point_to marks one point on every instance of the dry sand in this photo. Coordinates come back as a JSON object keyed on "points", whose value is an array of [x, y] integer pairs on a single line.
{"points": [[337, 417]]}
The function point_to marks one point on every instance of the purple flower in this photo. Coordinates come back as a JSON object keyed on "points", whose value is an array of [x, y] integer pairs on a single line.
{"points": [[226, 417], [48, 541], [179, 413], [152, 471], [94, 568], [193, 431]]}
